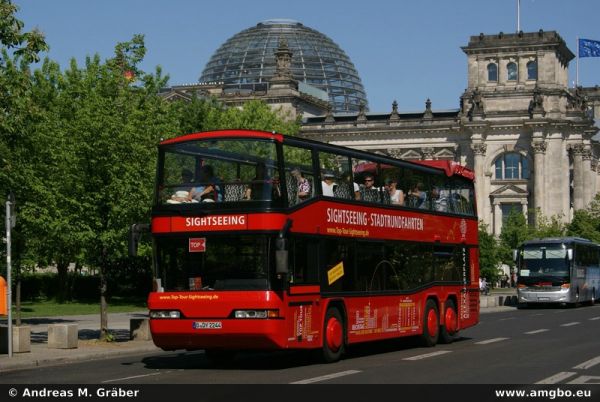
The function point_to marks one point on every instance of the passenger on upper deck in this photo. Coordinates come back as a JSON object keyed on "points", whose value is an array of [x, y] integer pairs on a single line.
{"points": [[439, 200], [261, 186], [209, 189], [417, 197], [369, 192], [396, 195], [182, 192], [304, 189], [328, 184]]}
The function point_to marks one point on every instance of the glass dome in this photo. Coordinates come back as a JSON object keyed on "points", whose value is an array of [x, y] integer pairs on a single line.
{"points": [[248, 58]]}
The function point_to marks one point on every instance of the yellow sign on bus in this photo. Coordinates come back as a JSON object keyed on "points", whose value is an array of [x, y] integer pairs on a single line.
{"points": [[335, 273]]}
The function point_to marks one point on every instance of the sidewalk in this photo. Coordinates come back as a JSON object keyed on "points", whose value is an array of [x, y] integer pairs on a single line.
{"points": [[89, 347]]}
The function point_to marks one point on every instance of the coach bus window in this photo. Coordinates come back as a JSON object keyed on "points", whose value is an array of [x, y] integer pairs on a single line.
{"points": [[392, 179], [412, 264], [226, 263], [366, 174], [337, 266], [304, 261], [336, 176], [447, 263], [418, 189], [299, 174], [371, 266]]}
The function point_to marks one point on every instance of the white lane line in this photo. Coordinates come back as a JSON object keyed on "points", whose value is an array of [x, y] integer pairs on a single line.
{"points": [[557, 377], [587, 364], [586, 379], [506, 319], [490, 341], [595, 318], [427, 355], [130, 378], [537, 331], [570, 324], [326, 377]]}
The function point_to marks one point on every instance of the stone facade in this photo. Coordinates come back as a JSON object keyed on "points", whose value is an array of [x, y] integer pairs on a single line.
{"points": [[526, 134]]}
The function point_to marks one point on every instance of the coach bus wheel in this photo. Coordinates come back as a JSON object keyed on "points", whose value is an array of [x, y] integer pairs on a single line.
{"points": [[333, 336], [431, 324], [450, 328]]}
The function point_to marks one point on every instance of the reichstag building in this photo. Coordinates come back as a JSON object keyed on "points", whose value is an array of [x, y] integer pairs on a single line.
{"points": [[518, 125]]}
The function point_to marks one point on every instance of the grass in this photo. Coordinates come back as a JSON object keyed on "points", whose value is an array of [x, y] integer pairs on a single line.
{"points": [[50, 308]]}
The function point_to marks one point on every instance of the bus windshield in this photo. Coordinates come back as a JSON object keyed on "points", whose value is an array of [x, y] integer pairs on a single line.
{"points": [[218, 170], [216, 262], [544, 260]]}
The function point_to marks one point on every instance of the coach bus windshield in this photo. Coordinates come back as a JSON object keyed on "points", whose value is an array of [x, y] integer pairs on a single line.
{"points": [[218, 170], [544, 260], [216, 262]]}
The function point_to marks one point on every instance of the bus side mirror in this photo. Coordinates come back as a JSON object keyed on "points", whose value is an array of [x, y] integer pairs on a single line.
{"points": [[570, 254], [135, 233], [281, 257], [515, 254]]}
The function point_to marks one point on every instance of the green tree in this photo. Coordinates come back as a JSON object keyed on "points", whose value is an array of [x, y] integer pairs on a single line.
{"points": [[489, 257]]}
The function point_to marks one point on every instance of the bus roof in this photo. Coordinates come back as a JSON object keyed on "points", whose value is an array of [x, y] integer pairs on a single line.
{"points": [[556, 240], [225, 133]]}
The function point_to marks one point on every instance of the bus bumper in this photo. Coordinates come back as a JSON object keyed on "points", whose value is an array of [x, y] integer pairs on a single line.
{"points": [[532, 296], [233, 334]]}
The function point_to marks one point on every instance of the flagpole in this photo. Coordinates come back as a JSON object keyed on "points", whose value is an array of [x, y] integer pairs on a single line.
{"points": [[577, 65], [518, 16]]}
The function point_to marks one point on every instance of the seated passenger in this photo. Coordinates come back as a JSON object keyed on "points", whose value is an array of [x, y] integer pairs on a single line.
{"points": [[304, 189], [209, 189], [261, 186], [417, 197], [439, 201], [369, 192], [182, 192], [328, 184], [396, 195]]}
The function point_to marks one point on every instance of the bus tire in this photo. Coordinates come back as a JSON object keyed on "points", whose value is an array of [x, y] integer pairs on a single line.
{"points": [[333, 336], [431, 324], [449, 330]]}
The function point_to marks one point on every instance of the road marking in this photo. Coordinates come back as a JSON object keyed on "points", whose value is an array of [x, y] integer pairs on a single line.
{"points": [[537, 331], [326, 377], [490, 341], [586, 379], [570, 324], [130, 378], [557, 377], [506, 319], [427, 355], [595, 318], [587, 364]]}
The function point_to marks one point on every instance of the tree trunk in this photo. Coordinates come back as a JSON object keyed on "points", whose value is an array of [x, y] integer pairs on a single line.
{"points": [[63, 270], [104, 334]]}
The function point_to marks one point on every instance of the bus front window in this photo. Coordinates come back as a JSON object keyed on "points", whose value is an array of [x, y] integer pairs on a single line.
{"points": [[218, 170], [544, 261], [215, 263]]}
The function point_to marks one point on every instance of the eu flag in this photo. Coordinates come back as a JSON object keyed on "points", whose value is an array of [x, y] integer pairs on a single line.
{"points": [[589, 48]]}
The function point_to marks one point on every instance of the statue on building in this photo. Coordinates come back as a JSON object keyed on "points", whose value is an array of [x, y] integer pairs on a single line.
{"points": [[476, 102], [536, 105]]}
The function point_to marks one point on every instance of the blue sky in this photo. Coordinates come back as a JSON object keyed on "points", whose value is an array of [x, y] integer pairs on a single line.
{"points": [[403, 50]]}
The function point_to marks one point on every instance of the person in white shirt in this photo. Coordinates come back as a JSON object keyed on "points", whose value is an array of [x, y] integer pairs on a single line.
{"points": [[328, 184]]}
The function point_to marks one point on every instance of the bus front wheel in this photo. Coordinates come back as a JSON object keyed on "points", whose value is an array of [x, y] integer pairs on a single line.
{"points": [[431, 324], [450, 328], [333, 336]]}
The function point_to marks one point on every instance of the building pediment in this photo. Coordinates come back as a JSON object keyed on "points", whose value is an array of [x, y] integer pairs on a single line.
{"points": [[509, 190]]}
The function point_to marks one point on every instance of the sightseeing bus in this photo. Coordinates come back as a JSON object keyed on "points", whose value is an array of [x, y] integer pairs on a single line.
{"points": [[269, 242], [562, 270]]}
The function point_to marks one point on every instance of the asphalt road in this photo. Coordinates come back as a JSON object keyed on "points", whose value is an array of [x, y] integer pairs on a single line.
{"points": [[532, 346]]}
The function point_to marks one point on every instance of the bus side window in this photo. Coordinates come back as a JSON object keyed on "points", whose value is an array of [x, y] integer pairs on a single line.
{"points": [[299, 174], [304, 261]]}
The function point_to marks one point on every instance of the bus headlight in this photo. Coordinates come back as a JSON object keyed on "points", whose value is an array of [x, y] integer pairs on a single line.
{"points": [[165, 314], [261, 314]]}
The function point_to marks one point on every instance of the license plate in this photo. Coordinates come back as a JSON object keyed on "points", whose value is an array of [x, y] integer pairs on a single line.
{"points": [[543, 298], [208, 325]]}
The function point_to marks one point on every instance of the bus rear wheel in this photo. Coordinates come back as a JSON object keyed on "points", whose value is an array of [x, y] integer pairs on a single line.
{"points": [[333, 336], [431, 324], [449, 330]]}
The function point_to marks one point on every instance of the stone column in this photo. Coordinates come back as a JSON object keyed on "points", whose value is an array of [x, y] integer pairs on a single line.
{"points": [[497, 218], [539, 150], [587, 176], [479, 168], [578, 197]]}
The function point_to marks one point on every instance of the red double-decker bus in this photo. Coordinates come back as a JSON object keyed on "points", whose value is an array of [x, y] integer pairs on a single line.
{"points": [[268, 242]]}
